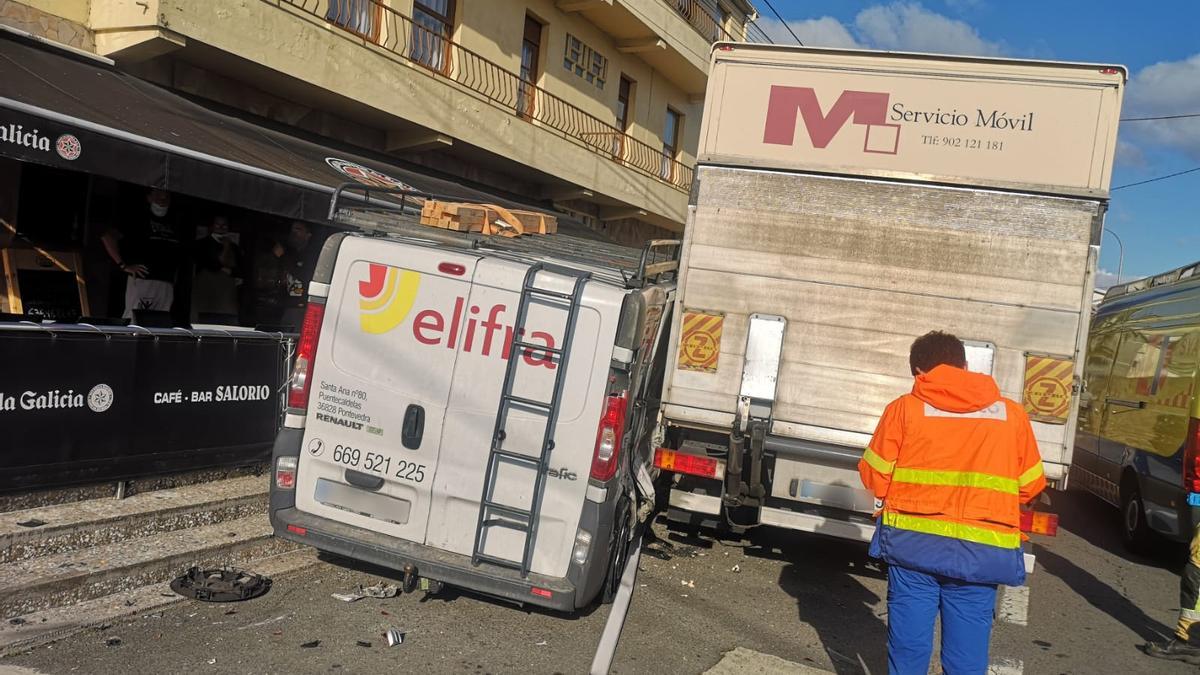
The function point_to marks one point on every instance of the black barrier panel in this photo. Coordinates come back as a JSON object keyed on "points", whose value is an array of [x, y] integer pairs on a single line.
{"points": [[81, 404]]}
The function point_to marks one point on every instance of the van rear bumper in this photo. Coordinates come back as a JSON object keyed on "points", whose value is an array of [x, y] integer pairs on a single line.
{"points": [[452, 568]]}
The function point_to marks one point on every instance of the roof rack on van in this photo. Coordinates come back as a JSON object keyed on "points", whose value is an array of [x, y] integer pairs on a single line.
{"points": [[1165, 279], [382, 211]]}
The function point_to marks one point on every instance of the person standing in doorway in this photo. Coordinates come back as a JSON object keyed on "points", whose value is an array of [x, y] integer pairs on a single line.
{"points": [[218, 269], [298, 258], [147, 249], [951, 463]]}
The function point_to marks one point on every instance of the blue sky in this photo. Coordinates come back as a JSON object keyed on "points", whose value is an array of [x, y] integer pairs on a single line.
{"points": [[1158, 41]]}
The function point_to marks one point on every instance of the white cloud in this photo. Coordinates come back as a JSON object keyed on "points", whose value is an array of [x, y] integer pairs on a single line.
{"points": [[1104, 279], [1130, 155], [899, 26], [904, 26], [1167, 88], [823, 32]]}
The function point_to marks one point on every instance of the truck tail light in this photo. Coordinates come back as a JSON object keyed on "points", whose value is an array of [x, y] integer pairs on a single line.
{"points": [[306, 352], [609, 437], [285, 473], [1191, 457], [693, 465], [1039, 523]]}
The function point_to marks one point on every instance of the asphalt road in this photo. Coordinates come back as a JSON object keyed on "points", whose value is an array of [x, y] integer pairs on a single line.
{"points": [[809, 600]]}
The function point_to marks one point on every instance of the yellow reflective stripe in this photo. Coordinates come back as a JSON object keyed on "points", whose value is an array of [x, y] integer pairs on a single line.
{"points": [[942, 528], [968, 479], [878, 463], [1031, 474]]}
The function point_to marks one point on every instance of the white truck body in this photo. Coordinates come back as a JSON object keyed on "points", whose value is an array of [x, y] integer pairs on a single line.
{"points": [[860, 200]]}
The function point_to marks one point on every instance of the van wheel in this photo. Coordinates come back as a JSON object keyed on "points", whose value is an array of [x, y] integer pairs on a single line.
{"points": [[1135, 531], [617, 558]]}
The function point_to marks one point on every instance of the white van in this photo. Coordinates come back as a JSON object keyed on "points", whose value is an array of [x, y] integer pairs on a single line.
{"points": [[468, 409]]}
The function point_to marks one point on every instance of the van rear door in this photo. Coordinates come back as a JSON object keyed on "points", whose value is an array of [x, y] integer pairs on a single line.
{"points": [[488, 318], [382, 379]]}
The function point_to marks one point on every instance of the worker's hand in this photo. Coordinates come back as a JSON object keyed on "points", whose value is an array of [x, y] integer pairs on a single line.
{"points": [[277, 250], [136, 271]]}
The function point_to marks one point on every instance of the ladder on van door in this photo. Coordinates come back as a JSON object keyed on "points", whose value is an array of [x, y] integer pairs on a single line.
{"points": [[491, 513]]}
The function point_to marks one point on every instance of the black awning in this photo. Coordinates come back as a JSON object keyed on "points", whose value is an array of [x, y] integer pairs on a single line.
{"points": [[74, 112]]}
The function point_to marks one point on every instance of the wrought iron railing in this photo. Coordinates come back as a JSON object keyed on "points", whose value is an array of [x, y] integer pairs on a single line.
{"points": [[377, 24]]}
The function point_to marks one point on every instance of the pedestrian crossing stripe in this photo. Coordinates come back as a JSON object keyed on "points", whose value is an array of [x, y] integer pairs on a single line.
{"points": [[1048, 383], [700, 341]]}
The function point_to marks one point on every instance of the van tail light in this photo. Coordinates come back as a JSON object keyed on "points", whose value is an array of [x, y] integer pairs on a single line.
{"points": [[692, 465], [609, 437], [1039, 523], [285, 473], [1191, 457], [306, 352]]}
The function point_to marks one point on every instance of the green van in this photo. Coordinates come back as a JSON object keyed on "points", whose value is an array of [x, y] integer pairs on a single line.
{"points": [[1138, 434]]}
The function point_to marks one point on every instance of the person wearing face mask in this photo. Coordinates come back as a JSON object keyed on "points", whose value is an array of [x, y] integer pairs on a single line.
{"points": [[297, 259], [147, 250], [218, 271]]}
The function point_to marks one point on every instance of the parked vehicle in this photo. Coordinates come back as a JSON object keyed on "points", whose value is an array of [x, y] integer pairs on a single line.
{"points": [[468, 409], [845, 203], [1138, 441]]}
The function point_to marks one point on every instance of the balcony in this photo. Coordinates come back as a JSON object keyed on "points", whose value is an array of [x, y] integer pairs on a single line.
{"points": [[378, 25]]}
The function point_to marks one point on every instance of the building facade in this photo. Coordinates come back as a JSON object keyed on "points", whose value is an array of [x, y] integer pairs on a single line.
{"points": [[589, 106]]}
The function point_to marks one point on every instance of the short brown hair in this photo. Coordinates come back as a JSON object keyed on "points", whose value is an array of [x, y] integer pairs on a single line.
{"points": [[936, 348]]}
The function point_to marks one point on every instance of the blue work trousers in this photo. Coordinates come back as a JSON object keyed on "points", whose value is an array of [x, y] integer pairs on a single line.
{"points": [[914, 601]]}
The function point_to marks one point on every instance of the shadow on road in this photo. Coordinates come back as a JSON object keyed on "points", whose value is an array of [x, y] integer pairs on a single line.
{"points": [[825, 576], [1098, 523], [1102, 596]]}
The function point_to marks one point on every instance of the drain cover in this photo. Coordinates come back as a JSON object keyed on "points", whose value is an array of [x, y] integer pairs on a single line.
{"points": [[227, 584]]}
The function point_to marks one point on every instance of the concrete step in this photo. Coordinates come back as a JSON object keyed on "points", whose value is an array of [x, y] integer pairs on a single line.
{"points": [[50, 625], [97, 522], [74, 576]]}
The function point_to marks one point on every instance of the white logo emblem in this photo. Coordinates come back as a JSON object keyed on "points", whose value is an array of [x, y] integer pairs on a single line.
{"points": [[68, 147], [100, 398]]}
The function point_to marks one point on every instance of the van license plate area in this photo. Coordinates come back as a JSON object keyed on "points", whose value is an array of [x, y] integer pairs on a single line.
{"points": [[370, 504]]}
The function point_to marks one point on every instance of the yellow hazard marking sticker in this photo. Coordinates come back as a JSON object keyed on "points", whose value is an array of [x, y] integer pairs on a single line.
{"points": [[700, 341], [1048, 381]]}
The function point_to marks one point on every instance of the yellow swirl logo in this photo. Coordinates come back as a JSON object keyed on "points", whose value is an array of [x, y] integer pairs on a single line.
{"points": [[385, 297]]}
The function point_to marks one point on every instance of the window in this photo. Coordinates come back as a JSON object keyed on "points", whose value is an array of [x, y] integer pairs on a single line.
{"points": [[585, 62], [531, 47], [670, 143], [357, 16], [624, 108], [433, 22]]}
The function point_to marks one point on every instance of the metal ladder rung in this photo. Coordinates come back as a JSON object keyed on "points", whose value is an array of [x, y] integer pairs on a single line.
{"points": [[517, 344], [508, 510], [534, 290], [502, 562], [532, 461], [529, 402], [496, 522]]}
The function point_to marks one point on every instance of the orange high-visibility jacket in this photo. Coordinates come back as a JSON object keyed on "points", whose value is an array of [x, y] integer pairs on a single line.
{"points": [[953, 461]]}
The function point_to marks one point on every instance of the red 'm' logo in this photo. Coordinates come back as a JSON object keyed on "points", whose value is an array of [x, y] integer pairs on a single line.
{"points": [[867, 108]]}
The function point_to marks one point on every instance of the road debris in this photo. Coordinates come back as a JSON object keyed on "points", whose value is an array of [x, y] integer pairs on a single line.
{"points": [[363, 643], [380, 591], [113, 641], [311, 645], [226, 584], [736, 569], [543, 643], [212, 662], [16, 621], [347, 597], [267, 621], [32, 522], [394, 637], [689, 584]]}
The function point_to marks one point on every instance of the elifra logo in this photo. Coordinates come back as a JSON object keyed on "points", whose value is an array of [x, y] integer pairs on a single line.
{"points": [[867, 108], [386, 297]]}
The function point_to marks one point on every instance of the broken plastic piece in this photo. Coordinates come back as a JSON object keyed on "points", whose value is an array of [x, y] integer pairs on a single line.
{"points": [[736, 568], [310, 645], [394, 637], [347, 597], [113, 641], [227, 584], [32, 522], [379, 590], [16, 621], [363, 643]]}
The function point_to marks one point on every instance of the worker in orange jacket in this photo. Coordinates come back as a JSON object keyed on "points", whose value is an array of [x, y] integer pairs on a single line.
{"points": [[951, 462]]}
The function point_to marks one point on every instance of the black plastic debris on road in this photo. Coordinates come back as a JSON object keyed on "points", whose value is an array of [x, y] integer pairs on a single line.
{"points": [[32, 522], [113, 641], [363, 643], [311, 645], [227, 584]]}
